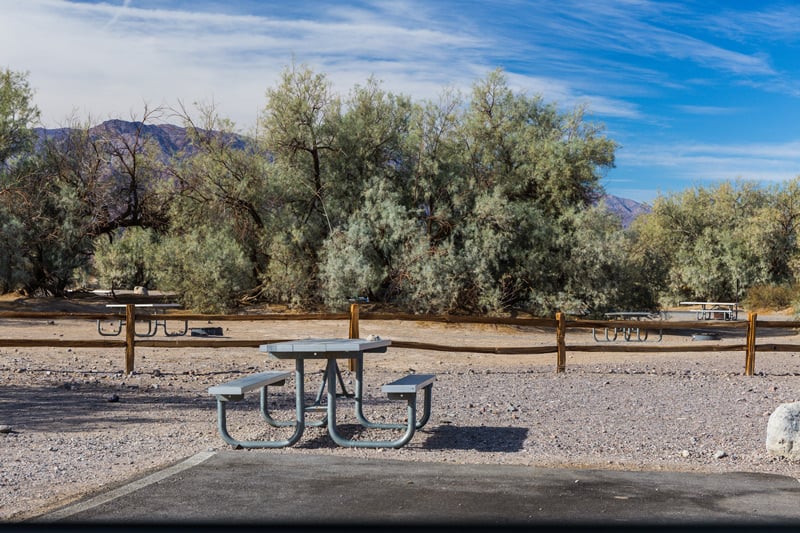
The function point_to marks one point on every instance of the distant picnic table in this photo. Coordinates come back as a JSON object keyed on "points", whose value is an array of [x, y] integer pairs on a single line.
{"points": [[641, 333], [152, 325], [716, 310]]}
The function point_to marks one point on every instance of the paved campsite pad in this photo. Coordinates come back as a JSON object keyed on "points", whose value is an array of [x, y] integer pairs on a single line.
{"points": [[269, 487]]}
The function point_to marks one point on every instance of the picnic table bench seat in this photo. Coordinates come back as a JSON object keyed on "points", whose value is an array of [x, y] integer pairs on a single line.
{"points": [[235, 390], [407, 388]]}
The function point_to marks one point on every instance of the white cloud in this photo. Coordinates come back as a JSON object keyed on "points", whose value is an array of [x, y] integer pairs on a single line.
{"points": [[702, 162], [107, 59]]}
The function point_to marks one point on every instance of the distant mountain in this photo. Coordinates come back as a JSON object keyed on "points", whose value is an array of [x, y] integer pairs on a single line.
{"points": [[627, 210], [172, 139]]}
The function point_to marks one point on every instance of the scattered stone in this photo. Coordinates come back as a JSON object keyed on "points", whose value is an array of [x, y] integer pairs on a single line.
{"points": [[5, 429], [113, 398], [685, 453], [720, 454], [783, 431]]}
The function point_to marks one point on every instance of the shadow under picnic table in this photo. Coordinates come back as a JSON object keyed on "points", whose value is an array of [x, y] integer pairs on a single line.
{"points": [[478, 438]]}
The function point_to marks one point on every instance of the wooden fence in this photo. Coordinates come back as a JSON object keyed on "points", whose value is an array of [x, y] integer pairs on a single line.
{"points": [[559, 324]]}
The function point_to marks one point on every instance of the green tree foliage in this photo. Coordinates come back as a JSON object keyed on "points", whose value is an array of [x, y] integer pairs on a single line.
{"points": [[205, 266], [78, 185], [226, 176], [126, 261], [716, 242], [464, 221], [300, 124], [478, 205], [17, 116]]}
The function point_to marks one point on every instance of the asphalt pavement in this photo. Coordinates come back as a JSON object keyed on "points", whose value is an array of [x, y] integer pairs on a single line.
{"points": [[241, 487]]}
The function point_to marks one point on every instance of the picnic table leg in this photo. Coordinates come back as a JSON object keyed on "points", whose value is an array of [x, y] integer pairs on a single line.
{"points": [[177, 333], [267, 416], [299, 425], [150, 331], [112, 333], [359, 404], [333, 431]]}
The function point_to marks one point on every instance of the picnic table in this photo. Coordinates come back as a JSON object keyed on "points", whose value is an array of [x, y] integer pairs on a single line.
{"points": [[715, 310], [152, 324], [641, 333], [330, 350]]}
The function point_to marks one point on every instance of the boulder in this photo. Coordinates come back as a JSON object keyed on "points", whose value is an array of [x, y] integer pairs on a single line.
{"points": [[783, 431], [140, 290]]}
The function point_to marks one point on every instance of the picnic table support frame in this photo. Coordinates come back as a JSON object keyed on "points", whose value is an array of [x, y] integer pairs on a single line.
{"points": [[351, 364]]}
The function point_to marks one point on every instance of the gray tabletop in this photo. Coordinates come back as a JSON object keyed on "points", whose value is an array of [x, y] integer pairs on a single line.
{"points": [[323, 348]]}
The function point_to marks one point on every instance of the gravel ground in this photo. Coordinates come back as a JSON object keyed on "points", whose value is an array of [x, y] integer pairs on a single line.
{"points": [[71, 423]]}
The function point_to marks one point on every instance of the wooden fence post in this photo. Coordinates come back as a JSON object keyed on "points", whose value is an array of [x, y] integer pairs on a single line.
{"points": [[750, 358], [561, 342], [130, 335], [353, 332]]}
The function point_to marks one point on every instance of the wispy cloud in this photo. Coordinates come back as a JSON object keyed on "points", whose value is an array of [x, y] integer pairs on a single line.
{"points": [[125, 5], [129, 53], [772, 23], [697, 162], [706, 110]]}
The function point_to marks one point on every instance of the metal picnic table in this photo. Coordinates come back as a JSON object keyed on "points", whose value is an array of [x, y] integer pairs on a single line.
{"points": [[329, 350], [715, 310], [152, 325], [627, 331]]}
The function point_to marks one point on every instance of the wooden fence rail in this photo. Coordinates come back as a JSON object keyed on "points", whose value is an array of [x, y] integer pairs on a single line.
{"points": [[560, 324]]}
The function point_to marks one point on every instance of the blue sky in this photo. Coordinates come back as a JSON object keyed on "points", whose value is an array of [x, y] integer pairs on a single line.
{"points": [[694, 92]]}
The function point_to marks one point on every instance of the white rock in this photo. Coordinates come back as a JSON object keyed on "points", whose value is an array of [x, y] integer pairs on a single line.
{"points": [[140, 290], [783, 431]]}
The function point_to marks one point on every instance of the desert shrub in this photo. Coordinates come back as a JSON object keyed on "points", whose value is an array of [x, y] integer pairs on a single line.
{"points": [[14, 267], [349, 267], [290, 276], [772, 297], [207, 268], [126, 261]]}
